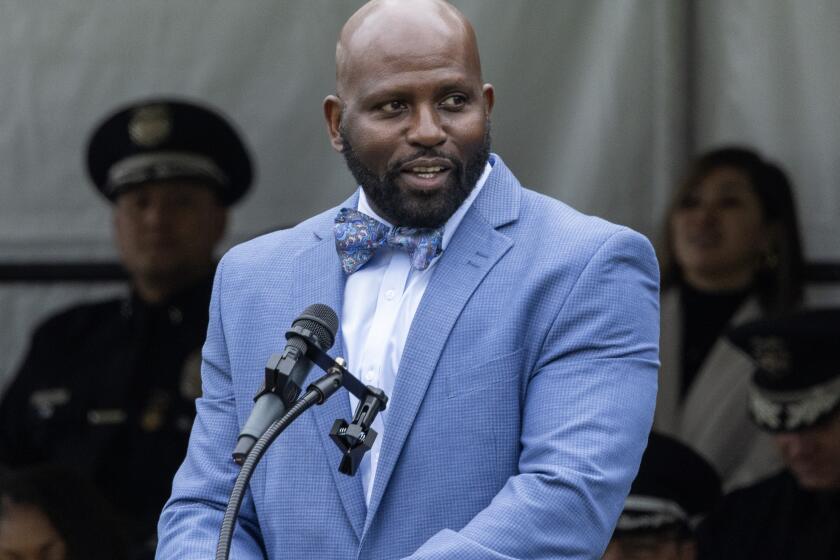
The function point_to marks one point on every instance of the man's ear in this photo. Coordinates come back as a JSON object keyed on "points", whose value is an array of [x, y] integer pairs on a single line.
{"points": [[489, 95], [333, 111]]}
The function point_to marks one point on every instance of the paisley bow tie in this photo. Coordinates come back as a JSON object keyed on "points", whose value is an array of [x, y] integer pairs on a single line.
{"points": [[358, 236]]}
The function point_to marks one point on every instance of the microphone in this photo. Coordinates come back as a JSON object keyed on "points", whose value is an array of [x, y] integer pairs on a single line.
{"points": [[286, 372]]}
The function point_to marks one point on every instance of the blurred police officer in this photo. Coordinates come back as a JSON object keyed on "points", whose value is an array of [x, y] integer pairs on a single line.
{"points": [[108, 388], [674, 489], [795, 395]]}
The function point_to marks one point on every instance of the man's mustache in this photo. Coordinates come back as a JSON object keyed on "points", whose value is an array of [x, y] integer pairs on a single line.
{"points": [[394, 168]]}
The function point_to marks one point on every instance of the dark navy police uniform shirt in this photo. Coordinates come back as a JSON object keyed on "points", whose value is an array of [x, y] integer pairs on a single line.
{"points": [[108, 389]]}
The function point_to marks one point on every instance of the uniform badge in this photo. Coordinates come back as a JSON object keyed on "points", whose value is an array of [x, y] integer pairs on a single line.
{"points": [[190, 383], [150, 126], [154, 415], [771, 355]]}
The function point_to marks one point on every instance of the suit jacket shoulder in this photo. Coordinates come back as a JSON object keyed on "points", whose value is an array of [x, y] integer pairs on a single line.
{"points": [[280, 247], [549, 229]]}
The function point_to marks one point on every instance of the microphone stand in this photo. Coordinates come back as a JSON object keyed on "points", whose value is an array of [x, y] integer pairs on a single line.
{"points": [[353, 439]]}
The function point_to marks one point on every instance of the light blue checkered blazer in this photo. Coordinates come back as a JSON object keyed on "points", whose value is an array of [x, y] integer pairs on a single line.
{"points": [[520, 412]]}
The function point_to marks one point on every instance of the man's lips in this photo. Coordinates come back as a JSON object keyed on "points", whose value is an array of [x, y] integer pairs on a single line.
{"points": [[426, 173]]}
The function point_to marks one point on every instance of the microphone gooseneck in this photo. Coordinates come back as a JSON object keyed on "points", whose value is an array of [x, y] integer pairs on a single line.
{"points": [[317, 393]]}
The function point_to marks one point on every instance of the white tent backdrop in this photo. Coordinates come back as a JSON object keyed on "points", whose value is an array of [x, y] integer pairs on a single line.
{"points": [[767, 74], [600, 103]]}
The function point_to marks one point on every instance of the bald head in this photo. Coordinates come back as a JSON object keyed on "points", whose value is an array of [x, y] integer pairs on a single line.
{"points": [[395, 29], [412, 117]]}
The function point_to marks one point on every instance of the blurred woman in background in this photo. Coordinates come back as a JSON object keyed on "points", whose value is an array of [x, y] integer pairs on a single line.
{"points": [[732, 253]]}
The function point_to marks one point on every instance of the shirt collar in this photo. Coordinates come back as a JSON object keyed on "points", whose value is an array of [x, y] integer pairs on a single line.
{"points": [[454, 220]]}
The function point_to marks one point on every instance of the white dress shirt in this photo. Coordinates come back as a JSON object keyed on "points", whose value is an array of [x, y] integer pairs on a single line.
{"points": [[380, 300]]}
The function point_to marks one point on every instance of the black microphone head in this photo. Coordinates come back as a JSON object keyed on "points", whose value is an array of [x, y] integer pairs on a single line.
{"points": [[321, 321]]}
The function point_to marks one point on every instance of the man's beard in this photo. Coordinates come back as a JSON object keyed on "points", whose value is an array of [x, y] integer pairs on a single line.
{"points": [[417, 208]]}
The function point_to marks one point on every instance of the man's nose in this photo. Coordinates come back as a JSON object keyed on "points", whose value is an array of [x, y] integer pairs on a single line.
{"points": [[155, 214], [793, 442], [426, 128]]}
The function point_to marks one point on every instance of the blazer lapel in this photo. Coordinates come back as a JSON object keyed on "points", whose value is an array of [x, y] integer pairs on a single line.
{"points": [[320, 279], [473, 251]]}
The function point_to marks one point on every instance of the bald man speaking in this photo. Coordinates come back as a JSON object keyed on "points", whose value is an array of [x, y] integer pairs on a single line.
{"points": [[516, 337]]}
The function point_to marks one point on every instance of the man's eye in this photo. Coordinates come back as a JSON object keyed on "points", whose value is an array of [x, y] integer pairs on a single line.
{"points": [[454, 101], [393, 107]]}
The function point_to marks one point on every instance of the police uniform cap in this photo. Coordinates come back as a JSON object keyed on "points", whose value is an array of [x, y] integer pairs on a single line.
{"points": [[165, 139], [674, 488], [796, 383]]}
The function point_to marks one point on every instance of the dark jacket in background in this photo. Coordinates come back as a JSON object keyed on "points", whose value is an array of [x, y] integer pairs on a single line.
{"points": [[108, 390], [773, 520]]}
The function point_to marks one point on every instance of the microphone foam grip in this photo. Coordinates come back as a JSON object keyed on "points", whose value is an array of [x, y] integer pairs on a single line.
{"points": [[321, 321]]}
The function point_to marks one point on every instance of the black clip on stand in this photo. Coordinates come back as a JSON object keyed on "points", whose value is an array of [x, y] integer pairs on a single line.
{"points": [[354, 439]]}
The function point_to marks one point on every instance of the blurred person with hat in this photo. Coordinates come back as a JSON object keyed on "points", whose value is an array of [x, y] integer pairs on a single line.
{"points": [[795, 396], [108, 388], [674, 489]]}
